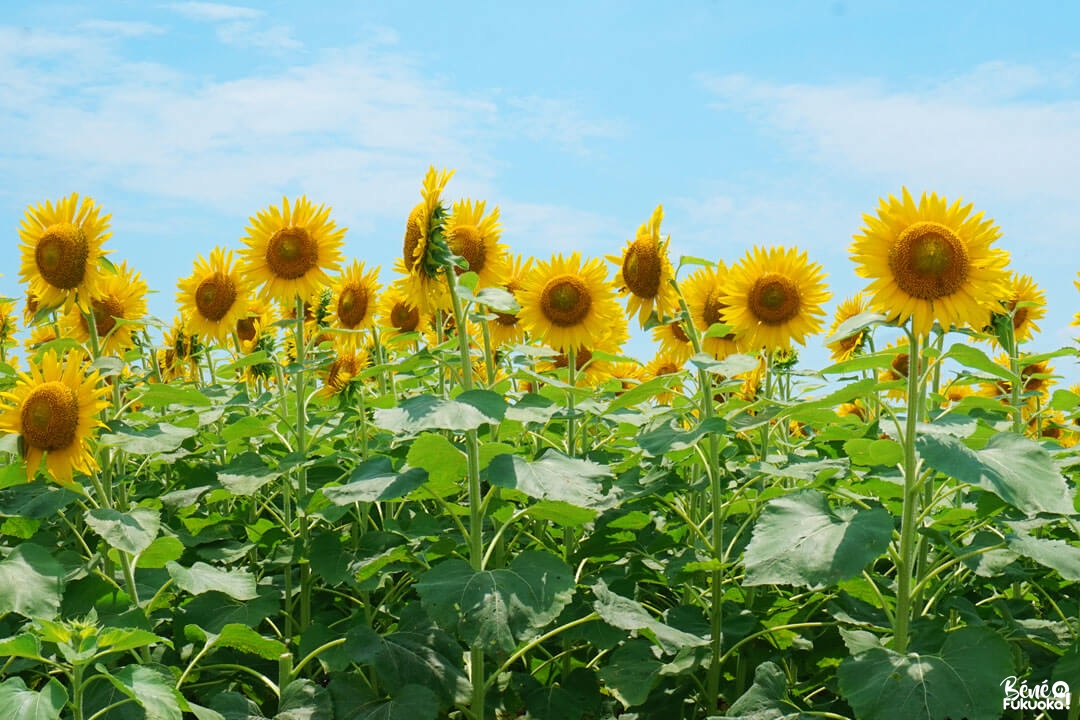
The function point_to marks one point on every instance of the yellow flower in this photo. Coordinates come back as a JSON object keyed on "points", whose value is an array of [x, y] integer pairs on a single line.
{"points": [[568, 304], [355, 294], [675, 343], [39, 335], [214, 297], [1037, 380], [398, 317], [931, 262], [61, 246], [476, 238], [121, 296], [848, 347], [505, 328], [774, 296], [1026, 302], [347, 364], [8, 328], [645, 272], [179, 358], [423, 228], [664, 365], [290, 250], [255, 326], [704, 294], [855, 408], [53, 409]]}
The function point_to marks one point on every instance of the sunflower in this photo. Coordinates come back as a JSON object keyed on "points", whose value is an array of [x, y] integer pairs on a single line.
{"points": [[289, 250], [255, 326], [398, 317], [476, 238], [354, 296], [39, 335], [214, 297], [955, 392], [703, 293], [660, 366], [591, 370], [1037, 379], [645, 272], [505, 328], [121, 296], [931, 262], [8, 328], [568, 304], [53, 409], [1025, 302], [774, 296], [628, 375], [423, 230], [179, 358], [61, 246], [674, 342], [846, 348], [898, 368], [347, 364], [856, 408]]}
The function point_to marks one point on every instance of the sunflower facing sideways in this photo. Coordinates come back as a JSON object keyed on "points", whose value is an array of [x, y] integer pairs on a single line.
{"points": [[476, 238], [505, 328], [774, 296], [931, 262], [704, 293], [1026, 302], [61, 246], [645, 272], [214, 298], [423, 227], [290, 250], [121, 296], [567, 304], [846, 348], [53, 408]]}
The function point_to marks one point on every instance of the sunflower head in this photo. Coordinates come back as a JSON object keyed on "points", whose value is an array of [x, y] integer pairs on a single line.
{"points": [[179, 357], [53, 408], [1036, 380], [61, 246], [346, 366], [399, 318], [773, 297], [355, 293], [674, 342], [215, 297], [424, 253], [476, 238], [567, 303], [8, 326], [660, 366], [505, 328], [290, 249], [704, 295], [846, 348], [1023, 307], [117, 310], [931, 262], [645, 272]]}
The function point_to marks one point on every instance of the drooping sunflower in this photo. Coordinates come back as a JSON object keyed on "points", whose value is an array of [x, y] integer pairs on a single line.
{"points": [[399, 318], [931, 262], [774, 296], [704, 292], [1025, 302], [505, 329], [847, 348], [476, 238], [121, 296], [61, 246], [423, 229], [214, 298], [291, 249], [355, 294], [566, 303], [53, 409], [645, 272]]}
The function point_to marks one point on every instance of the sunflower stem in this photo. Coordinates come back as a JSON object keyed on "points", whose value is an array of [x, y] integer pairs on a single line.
{"points": [[1016, 385], [301, 470], [901, 623]]}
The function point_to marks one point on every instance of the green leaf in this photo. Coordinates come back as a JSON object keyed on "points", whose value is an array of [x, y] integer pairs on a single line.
{"points": [[238, 637], [132, 532], [124, 639], [627, 614], [373, 480], [245, 474], [531, 408], [800, 540], [976, 359], [304, 700], [24, 646], [426, 412], [1017, 470], [561, 513], [159, 552], [643, 392], [632, 672], [874, 453], [446, 466], [554, 477], [150, 686], [855, 325], [200, 578], [668, 437], [497, 608], [19, 703], [31, 582], [729, 367], [411, 702], [498, 299], [234, 706], [160, 395], [158, 438], [1055, 554], [962, 680], [767, 698]]}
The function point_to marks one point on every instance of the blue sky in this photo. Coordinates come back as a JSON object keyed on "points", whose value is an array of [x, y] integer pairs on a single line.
{"points": [[751, 123]]}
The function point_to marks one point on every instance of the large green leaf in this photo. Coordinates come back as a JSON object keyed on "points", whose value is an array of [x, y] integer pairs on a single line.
{"points": [[410, 702], [162, 395], [961, 680], [632, 672], [554, 477], [131, 532], [668, 437], [426, 412], [800, 540], [531, 408], [445, 464], [200, 578], [1054, 554], [1017, 470], [976, 359], [150, 686], [767, 698], [304, 700], [245, 474], [627, 614], [238, 637], [31, 582], [19, 703], [373, 480], [158, 438], [497, 608]]}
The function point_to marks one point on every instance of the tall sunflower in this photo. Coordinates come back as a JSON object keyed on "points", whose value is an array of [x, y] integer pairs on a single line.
{"points": [[423, 233], [290, 250], [703, 291], [1025, 302], [61, 246], [53, 409], [120, 296], [774, 296], [645, 272], [589, 367], [846, 348], [347, 364], [355, 294], [476, 238], [214, 297], [931, 262], [505, 327], [568, 304]]}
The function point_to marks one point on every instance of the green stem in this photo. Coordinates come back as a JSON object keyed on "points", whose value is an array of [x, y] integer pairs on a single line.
{"points": [[901, 624], [301, 470]]}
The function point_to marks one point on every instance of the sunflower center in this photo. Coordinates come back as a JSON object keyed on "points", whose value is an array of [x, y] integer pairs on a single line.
{"points": [[641, 268], [106, 310], [667, 369], [467, 242], [774, 299], [291, 253], [929, 261], [506, 319], [581, 358], [1019, 315], [566, 301], [711, 314], [404, 318], [352, 306], [412, 237], [245, 329], [61, 255], [900, 364], [50, 416], [215, 296], [679, 333], [341, 371]]}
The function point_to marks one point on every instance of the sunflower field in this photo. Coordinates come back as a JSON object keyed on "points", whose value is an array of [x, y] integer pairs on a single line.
{"points": [[315, 497]]}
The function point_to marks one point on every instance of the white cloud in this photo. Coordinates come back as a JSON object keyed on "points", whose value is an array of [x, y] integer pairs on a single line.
{"points": [[275, 39], [121, 28], [540, 118], [214, 12]]}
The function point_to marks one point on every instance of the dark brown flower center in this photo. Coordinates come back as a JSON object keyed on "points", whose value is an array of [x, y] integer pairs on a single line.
{"points": [[106, 310], [774, 299], [214, 296], [245, 329], [467, 242], [642, 268], [712, 313], [352, 305], [404, 317], [565, 301], [412, 237], [61, 255], [291, 253], [50, 417], [929, 261]]}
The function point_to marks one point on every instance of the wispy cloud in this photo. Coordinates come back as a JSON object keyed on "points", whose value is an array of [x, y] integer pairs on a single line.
{"points": [[551, 119], [121, 28], [274, 39], [214, 12]]}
